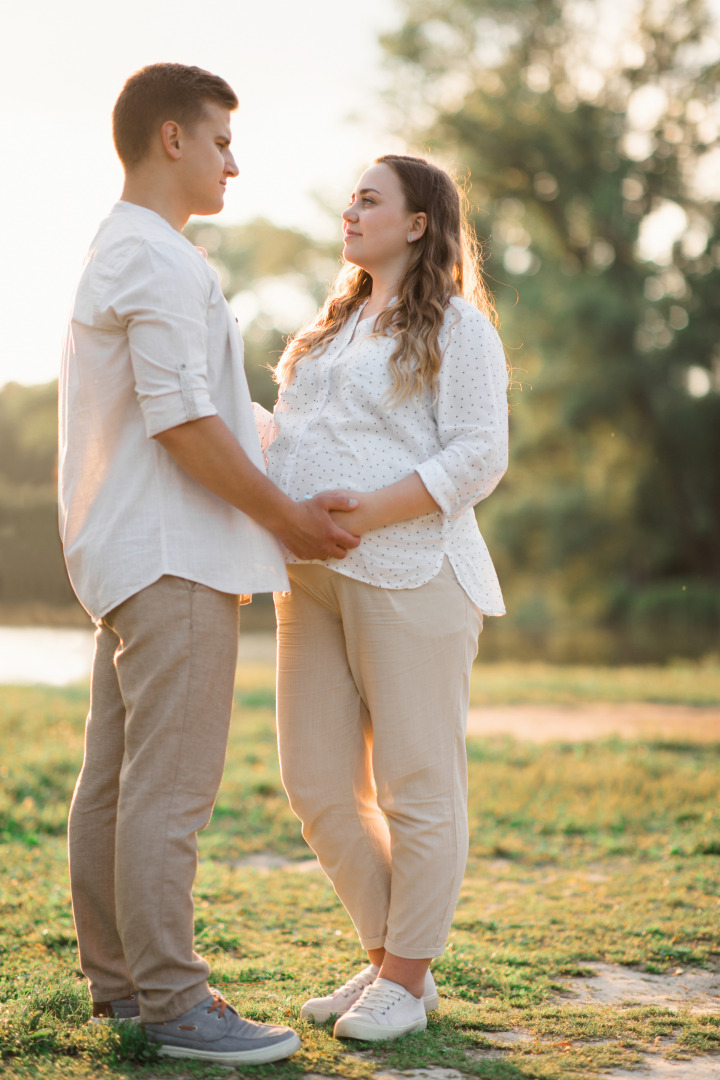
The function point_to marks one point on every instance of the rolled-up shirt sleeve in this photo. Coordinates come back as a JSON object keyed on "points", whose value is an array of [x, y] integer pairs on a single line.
{"points": [[162, 306], [472, 417]]}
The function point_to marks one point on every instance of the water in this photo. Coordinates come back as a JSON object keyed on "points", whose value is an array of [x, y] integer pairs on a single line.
{"points": [[31, 655], [49, 655]]}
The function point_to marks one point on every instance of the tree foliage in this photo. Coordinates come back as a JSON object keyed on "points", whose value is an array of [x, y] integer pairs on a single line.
{"points": [[589, 137], [276, 278], [31, 562], [585, 142]]}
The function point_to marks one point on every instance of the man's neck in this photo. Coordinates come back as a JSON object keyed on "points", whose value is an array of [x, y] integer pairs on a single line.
{"points": [[142, 192]]}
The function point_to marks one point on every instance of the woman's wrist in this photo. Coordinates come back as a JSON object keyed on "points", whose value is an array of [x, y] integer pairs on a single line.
{"points": [[377, 507]]}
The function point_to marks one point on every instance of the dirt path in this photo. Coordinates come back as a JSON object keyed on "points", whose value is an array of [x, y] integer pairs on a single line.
{"points": [[623, 988], [585, 723]]}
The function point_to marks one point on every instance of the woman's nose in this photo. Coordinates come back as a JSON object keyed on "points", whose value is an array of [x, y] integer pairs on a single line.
{"points": [[350, 213]]}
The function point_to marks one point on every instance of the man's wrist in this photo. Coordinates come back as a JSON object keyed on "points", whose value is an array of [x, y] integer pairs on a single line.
{"points": [[282, 513]]}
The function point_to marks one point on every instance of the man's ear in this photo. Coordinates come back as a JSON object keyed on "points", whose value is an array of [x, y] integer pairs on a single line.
{"points": [[170, 135]]}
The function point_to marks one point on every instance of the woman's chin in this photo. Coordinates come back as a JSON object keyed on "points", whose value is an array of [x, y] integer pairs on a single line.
{"points": [[353, 257]]}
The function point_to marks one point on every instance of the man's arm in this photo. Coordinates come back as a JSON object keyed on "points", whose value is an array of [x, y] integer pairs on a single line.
{"points": [[208, 451]]}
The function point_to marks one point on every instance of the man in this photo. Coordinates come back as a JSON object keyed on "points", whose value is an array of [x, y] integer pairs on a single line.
{"points": [[166, 517]]}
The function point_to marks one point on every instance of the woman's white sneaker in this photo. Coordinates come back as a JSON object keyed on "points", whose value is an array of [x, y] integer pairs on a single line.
{"points": [[430, 994], [385, 1010], [337, 1003]]}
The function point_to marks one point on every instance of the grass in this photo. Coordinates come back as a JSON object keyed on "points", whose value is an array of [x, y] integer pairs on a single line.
{"points": [[579, 853], [681, 683]]}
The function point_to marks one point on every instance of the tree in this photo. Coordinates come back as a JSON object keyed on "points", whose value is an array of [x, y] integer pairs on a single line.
{"points": [[31, 562], [585, 146], [276, 278]]}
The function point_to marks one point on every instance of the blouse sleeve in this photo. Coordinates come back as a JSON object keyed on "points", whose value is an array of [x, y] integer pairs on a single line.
{"points": [[265, 424], [472, 416]]}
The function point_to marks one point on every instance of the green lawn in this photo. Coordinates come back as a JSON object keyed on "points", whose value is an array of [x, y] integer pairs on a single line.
{"points": [[609, 851], [683, 683]]}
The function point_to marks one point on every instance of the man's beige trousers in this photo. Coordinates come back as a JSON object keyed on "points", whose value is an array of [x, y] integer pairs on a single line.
{"points": [[155, 743], [373, 691]]}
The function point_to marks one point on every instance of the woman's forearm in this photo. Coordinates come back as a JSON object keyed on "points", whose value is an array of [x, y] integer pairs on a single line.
{"points": [[407, 498]]}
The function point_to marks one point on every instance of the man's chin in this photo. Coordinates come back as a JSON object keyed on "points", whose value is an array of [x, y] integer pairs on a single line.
{"points": [[210, 209]]}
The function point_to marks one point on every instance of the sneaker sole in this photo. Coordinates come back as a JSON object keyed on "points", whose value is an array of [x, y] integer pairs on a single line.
{"points": [[320, 1016], [263, 1054], [114, 1020], [358, 1029]]}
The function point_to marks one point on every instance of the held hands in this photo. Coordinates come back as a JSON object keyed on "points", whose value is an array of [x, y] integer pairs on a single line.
{"points": [[317, 529], [330, 524], [363, 517], [405, 499]]}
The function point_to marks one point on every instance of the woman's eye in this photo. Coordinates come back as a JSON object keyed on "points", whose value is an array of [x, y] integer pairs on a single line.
{"points": [[368, 200]]}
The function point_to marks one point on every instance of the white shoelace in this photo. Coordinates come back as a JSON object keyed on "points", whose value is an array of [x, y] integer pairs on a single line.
{"points": [[376, 998], [363, 979]]}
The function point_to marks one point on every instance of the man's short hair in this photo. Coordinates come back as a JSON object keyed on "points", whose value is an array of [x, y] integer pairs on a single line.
{"points": [[158, 93]]}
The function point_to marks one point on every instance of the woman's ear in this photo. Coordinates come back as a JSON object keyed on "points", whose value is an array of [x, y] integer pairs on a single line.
{"points": [[419, 225]]}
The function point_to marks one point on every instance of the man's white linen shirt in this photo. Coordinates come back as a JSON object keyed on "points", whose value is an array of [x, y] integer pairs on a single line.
{"points": [[335, 427], [151, 344]]}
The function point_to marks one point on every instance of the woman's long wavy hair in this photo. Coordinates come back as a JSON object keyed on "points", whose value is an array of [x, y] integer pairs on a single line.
{"points": [[446, 262]]}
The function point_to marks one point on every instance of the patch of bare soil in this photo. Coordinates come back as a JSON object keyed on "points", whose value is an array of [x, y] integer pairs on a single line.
{"points": [[704, 1068], [586, 723], [266, 861], [433, 1072], [612, 984]]}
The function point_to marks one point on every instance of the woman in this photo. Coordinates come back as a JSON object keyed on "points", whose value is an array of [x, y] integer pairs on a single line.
{"points": [[397, 393]]}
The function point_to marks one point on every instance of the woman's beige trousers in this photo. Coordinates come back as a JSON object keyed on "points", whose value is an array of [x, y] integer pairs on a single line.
{"points": [[373, 690]]}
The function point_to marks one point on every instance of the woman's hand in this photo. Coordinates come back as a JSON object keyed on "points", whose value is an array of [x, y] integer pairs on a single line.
{"points": [[408, 498], [362, 518]]}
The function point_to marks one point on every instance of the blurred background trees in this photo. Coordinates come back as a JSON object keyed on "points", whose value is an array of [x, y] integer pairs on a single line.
{"points": [[589, 141], [31, 564]]}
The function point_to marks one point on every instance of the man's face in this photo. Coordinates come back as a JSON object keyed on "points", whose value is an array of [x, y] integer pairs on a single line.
{"points": [[206, 160]]}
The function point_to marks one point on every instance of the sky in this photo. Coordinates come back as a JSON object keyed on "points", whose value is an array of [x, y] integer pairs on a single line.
{"points": [[308, 77]]}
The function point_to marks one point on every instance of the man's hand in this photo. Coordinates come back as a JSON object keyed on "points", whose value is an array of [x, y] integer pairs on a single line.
{"points": [[211, 454], [365, 516], [311, 533]]}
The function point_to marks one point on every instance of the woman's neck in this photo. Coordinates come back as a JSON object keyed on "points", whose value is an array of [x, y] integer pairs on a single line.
{"points": [[380, 297]]}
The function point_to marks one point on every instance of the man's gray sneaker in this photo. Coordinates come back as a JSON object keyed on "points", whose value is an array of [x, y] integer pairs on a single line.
{"points": [[213, 1031], [119, 1010]]}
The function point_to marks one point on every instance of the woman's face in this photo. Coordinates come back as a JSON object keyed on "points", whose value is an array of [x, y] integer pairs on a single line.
{"points": [[377, 223]]}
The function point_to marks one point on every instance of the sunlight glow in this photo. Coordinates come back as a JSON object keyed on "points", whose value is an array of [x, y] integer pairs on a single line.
{"points": [[296, 149]]}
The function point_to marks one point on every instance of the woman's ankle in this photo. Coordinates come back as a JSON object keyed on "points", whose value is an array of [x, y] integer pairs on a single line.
{"points": [[409, 974]]}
